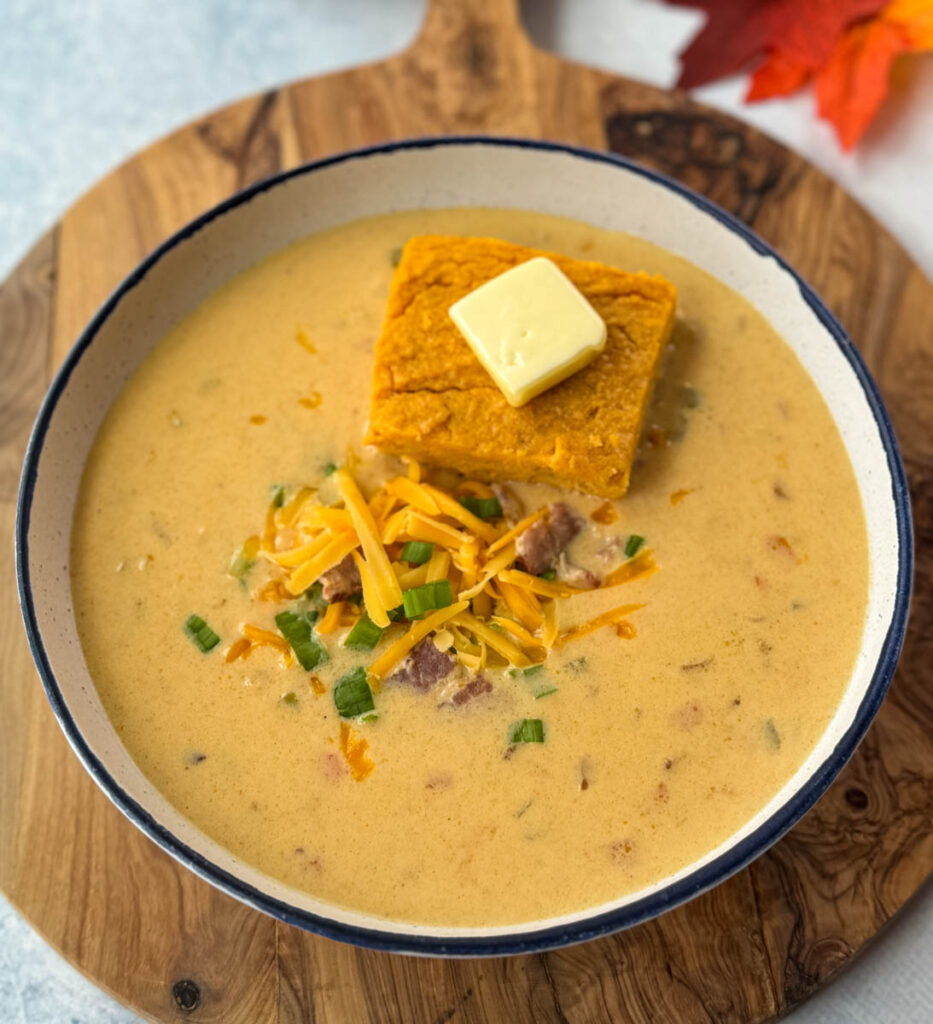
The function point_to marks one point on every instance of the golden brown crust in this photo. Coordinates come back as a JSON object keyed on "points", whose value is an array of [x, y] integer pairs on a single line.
{"points": [[432, 399]]}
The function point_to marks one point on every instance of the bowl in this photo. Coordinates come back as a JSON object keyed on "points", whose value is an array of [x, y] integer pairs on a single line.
{"points": [[589, 186]]}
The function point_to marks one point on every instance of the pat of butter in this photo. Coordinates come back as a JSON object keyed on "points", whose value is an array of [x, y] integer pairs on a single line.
{"points": [[530, 328]]}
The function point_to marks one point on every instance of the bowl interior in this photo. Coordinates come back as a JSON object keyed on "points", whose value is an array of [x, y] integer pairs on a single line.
{"points": [[588, 187]]}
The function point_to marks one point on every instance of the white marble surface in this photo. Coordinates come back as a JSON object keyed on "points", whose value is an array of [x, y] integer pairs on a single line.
{"points": [[84, 84]]}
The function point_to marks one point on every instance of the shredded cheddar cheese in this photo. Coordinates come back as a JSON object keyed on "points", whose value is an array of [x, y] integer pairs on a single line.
{"points": [[500, 615]]}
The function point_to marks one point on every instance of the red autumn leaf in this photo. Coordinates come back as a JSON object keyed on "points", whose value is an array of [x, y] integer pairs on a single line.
{"points": [[738, 31], [780, 75], [854, 82]]}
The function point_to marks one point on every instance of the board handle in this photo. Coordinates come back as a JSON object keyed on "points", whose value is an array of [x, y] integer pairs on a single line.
{"points": [[450, 25]]}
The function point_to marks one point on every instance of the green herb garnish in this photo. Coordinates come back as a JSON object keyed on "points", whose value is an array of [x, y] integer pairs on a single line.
{"points": [[549, 574], [290, 698], [240, 564], [545, 693], [427, 598], [365, 634], [396, 613], [485, 508], [633, 544], [533, 670], [296, 629], [278, 496], [771, 734], [528, 730], [352, 695], [330, 468], [395, 256], [201, 633], [417, 552], [370, 718]]}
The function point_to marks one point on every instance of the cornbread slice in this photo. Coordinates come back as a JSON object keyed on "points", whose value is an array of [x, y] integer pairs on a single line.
{"points": [[433, 400]]}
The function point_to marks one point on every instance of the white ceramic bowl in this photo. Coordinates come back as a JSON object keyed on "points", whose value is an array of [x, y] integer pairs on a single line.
{"points": [[592, 187]]}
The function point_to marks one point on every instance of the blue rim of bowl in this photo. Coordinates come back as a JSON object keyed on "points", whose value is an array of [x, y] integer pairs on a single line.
{"points": [[427, 944]]}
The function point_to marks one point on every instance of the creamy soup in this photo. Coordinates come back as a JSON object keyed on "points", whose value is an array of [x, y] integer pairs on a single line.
{"points": [[661, 740]]}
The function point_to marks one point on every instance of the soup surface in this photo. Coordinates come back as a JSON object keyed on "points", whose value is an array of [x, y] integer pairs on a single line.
{"points": [[658, 746]]}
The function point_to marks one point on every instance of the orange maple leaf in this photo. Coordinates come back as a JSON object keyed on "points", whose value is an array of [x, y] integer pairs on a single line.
{"points": [[853, 83], [779, 75]]}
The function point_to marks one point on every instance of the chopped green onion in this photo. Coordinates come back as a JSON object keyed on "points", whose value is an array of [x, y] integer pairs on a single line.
{"points": [[352, 695], [545, 693], [395, 256], [549, 574], [485, 508], [533, 671], [330, 468], [296, 629], [278, 496], [205, 639], [315, 594], [240, 565], [417, 552], [396, 613], [633, 544], [370, 718], [771, 734], [364, 635], [427, 598], [528, 730], [289, 698]]}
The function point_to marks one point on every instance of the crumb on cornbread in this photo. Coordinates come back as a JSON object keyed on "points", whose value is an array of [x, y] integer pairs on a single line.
{"points": [[434, 401]]}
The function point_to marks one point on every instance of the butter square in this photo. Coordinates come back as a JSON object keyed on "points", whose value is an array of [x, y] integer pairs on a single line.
{"points": [[530, 327]]}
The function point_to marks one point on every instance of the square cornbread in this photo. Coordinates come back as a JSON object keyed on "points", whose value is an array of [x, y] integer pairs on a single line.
{"points": [[433, 400]]}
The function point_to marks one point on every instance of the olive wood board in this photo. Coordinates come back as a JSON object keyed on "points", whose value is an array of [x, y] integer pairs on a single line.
{"points": [[173, 948]]}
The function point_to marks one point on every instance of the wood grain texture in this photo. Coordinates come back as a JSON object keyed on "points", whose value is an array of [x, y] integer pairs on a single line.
{"points": [[175, 949]]}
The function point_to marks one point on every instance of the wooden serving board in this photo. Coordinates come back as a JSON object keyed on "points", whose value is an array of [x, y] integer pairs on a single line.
{"points": [[172, 947]]}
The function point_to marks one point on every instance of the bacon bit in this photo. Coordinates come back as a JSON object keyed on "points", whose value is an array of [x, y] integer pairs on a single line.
{"points": [[258, 420], [317, 687], [776, 543], [274, 590], [694, 665], [301, 336], [761, 582], [620, 849], [779, 491], [678, 496], [332, 767], [241, 648], [655, 436], [688, 717], [312, 401], [626, 630], [354, 753], [605, 514]]}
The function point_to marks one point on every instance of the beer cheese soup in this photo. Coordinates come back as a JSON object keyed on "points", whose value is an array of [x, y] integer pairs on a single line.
{"points": [[446, 700]]}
